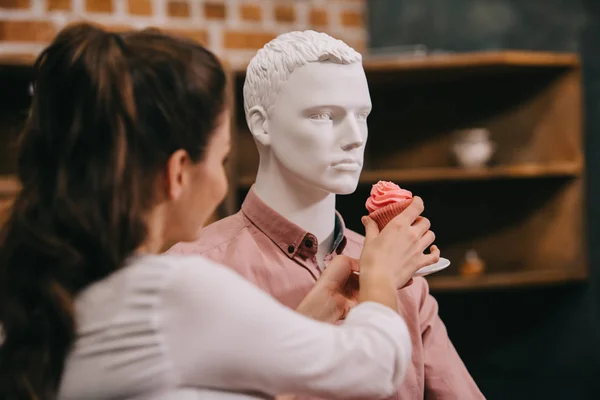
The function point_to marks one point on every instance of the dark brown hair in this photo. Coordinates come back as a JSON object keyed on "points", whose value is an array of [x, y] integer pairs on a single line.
{"points": [[107, 112]]}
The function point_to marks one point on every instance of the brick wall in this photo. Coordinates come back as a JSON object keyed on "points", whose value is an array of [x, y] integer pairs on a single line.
{"points": [[234, 29]]}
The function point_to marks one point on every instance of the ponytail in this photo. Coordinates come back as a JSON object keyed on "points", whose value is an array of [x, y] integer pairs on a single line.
{"points": [[75, 219], [108, 110]]}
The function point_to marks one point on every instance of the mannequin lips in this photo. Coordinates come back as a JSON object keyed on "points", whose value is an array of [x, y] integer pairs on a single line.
{"points": [[347, 164], [345, 161], [347, 167]]}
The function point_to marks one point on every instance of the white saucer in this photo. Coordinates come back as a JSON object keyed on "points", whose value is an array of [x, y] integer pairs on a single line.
{"points": [[433, 268], [429, 269]]}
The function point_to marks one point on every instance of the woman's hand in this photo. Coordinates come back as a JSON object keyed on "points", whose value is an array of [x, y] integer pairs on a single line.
{"points": [[397, 252], [335, 292]]}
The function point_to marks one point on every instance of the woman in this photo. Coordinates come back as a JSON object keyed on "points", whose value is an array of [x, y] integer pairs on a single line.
{"points": [[122, 156]]}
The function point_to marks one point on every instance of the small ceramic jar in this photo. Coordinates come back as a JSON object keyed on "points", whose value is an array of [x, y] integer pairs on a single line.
{"points": [[473, 148]]}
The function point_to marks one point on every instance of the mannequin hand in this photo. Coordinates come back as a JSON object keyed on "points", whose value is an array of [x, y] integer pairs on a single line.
{"points": [[335, 293]]}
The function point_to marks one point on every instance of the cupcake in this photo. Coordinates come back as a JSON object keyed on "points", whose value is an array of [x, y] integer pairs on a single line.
{"points": [[386, 201]]}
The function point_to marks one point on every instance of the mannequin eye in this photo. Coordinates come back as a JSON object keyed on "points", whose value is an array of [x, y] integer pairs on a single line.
{"points": [[321, 116], [362, 116]]}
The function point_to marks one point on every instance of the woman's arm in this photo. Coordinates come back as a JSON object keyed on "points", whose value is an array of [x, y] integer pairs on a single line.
{"points": [[335, 293], [223, 332]]}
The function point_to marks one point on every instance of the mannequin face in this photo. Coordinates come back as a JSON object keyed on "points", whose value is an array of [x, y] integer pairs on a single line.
{"points": [[317, 129]]}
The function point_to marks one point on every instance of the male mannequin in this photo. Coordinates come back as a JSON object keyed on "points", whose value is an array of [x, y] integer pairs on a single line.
{"points": [[306, 99]]}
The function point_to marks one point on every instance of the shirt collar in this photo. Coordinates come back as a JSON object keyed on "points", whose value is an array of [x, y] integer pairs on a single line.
{"points": [[289, 237]]}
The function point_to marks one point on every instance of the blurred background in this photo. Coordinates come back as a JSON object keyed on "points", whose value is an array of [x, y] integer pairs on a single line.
{"points": [[488, 109]]}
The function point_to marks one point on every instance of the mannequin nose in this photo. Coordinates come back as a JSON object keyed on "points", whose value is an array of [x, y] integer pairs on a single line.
{"points": [[353, 135]]}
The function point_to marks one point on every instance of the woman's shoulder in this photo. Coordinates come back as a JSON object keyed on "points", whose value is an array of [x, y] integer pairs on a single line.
{"points": [[140, 306], [176, 265], [169, 260], [149, 279], [178, 278], [128, 313], [172, 265]]}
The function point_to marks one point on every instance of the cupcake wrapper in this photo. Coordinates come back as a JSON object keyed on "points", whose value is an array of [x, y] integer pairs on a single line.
{"points": [[389, 212]]}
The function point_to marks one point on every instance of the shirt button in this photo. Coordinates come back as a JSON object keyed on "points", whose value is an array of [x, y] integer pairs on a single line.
{"points": [[308, 243], [291, 248]]}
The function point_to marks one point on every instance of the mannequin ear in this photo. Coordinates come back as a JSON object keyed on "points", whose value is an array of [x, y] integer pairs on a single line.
{"points": [[259, 125]]}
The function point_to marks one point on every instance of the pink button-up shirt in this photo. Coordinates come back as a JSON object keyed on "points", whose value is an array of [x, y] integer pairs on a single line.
{"points": [[280, 257]]}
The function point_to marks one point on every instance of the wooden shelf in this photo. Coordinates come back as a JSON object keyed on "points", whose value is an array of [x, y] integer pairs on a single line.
{"points": [[484, 60], [9, 186], [504, 279], [473, 60], [20, 60], [523, 171], [531, 102]]}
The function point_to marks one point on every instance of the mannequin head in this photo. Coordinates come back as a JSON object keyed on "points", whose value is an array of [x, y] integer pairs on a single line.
{"points": [[306, 100]]}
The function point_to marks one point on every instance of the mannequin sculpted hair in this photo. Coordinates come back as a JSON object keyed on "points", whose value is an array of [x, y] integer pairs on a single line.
{"points": [[272, 65]]}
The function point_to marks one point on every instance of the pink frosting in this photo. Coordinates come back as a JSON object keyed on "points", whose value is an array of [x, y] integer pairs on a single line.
{"points": [[385, 193]]}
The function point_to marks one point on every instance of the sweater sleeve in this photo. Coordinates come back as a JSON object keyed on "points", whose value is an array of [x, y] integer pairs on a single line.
{"points": [[220, 331]]}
